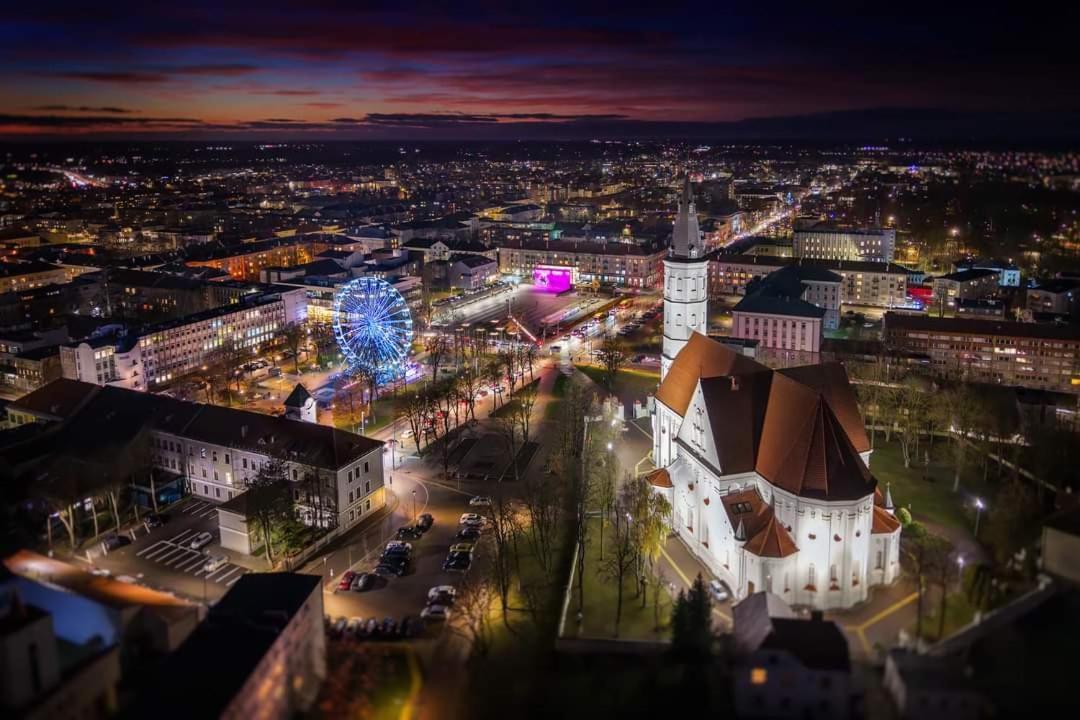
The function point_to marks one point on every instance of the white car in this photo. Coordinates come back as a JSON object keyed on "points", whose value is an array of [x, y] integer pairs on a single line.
{"points": [[200, 541], [480, 501], [471, 519], [441, 591], [395, 544], [435, 612], [718, 591], [216, 563]]}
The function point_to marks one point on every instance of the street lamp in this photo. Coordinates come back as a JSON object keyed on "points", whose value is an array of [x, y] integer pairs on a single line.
{"points": [[978, 511], [414, 507], [960, 573]]}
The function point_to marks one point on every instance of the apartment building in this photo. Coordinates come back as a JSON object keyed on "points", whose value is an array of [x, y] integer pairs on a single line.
{"points": [[17, 276], [827, 242], [964, 285], [1060, 296], [1031, 355], [336, 477], [863, 283], [158, 354], [621, 264]]}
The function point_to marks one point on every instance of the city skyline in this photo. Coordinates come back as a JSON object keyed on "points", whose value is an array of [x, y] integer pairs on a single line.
{"points": [[327, 70]]}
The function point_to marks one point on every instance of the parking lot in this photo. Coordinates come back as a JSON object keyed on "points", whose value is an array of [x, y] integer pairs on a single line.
{"points": [[162, 558], [395, 597], [176, 553]]}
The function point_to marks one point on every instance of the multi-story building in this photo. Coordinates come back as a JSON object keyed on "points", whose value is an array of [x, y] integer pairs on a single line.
{"points": [[1032, 355], [826, 242], [158, 354], [1060, 296], [335, 477], [263, 643], [863, 283], [964, 285], [779, 322], [621, 264], [245, 261], [24, 275], [1008, 274]]}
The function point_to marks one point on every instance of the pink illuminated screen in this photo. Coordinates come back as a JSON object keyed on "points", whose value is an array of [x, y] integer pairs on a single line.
{"points": [[552, 279]]}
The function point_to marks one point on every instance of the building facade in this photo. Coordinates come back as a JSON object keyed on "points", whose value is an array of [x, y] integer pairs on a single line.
{"points": [[863, 283], [823, 242], [1031, 355], [158, 354], [620, 264]]}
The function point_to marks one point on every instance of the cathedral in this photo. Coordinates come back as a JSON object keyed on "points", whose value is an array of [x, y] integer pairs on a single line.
{"points": [[767, 471]]}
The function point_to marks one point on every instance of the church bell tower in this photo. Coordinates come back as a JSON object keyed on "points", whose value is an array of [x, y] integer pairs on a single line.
{"points": [[686, 282]]}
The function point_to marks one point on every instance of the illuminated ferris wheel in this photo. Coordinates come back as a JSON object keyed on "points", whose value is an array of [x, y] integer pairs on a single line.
{"points": [[372, 325]]}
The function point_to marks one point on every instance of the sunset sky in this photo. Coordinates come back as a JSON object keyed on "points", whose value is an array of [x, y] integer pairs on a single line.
{"points": [[376, 70]]}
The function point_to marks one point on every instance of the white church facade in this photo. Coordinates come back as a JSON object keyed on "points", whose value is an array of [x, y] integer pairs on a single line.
{"points": [[767, 471]]}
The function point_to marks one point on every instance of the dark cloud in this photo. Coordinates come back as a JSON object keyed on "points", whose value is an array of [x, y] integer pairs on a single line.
{"points": [[435, 120], [154, 76], [81, 108], [83, 122]]}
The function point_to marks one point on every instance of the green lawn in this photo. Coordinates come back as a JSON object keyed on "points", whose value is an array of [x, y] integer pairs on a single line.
{"points": [[930, 498], [637, 622], [630, 383]]}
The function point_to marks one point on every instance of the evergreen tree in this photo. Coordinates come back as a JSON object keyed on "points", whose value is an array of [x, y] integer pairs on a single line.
{"points": [[691, 623]]}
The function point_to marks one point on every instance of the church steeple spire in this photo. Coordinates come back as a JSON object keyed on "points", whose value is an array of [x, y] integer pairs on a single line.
{"points": [[686, 235]]}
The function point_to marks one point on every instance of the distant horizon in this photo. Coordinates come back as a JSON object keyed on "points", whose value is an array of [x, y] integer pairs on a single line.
{"points": [[280, 69]]}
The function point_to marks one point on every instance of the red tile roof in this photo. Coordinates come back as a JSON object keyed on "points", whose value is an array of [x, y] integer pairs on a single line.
{"points": [[701, 357], [884, 522], [772, 541], [659, 478]]}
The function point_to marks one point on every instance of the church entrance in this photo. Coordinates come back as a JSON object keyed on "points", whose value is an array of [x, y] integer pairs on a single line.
{"points": [[749, 588]]}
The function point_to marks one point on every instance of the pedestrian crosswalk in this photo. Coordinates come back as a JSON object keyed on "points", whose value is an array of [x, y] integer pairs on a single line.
{"points": [[176, 554]]}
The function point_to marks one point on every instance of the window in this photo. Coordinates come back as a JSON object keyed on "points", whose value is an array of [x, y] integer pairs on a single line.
{"points": [[880, 563], [226, 459], [217, 492], [244, 461], [365, 467], [367, 486], [367, 505], [759, 676], [811, 577], [350, 496]]}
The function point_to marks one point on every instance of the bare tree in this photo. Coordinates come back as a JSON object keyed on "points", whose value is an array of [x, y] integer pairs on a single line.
{"points": [[620, 562], [294, 336], [437, 347], [268, 501], [473, 606], [522, 410], [612, 358]]}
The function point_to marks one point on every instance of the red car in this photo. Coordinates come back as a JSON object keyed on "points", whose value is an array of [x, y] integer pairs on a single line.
{"points": [[346, 580]]}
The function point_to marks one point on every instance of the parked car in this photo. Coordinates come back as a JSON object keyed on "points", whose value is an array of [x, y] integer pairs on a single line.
{"points": [[371, 627], [461, 548], [339, 626], [156, 520], [424, 522], [442, 594], [354, 627], [471, 519], [480, 501], [201, 540], [398, 546], [408, 533], [115, 542], [719, 591], [388, 626], [216, 563], [363, 581], [469, 532], [388, 566], [346, 580], [435, 612]]}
